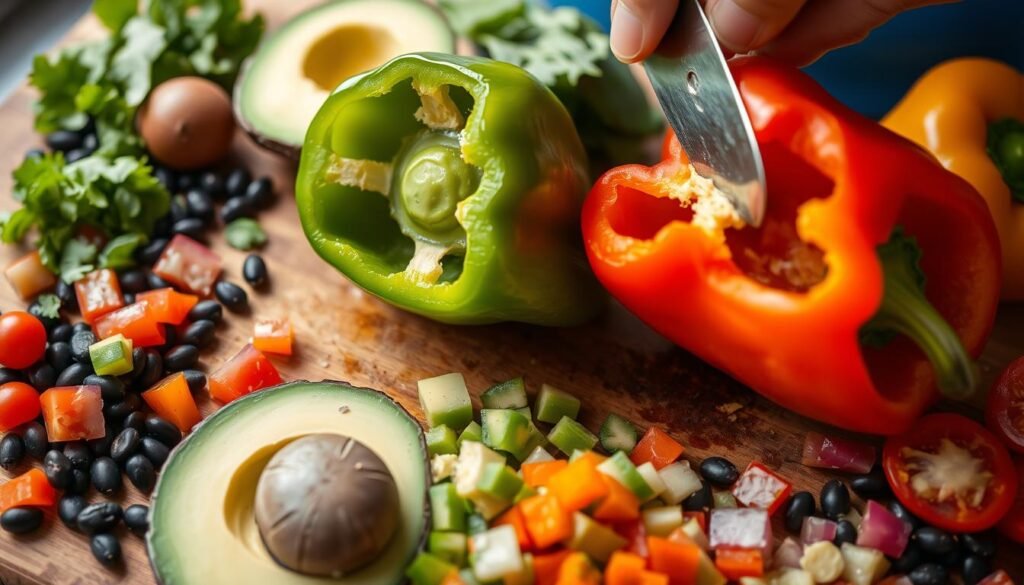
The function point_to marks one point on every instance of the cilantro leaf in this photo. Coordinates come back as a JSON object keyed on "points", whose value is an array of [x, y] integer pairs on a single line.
{"points": [[132, 64], [48, 306], [76, 260], [115, 13], [120, 251], [245, 234]]}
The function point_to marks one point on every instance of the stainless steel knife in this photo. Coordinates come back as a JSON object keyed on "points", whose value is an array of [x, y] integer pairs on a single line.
{"points": [[692, 81]]}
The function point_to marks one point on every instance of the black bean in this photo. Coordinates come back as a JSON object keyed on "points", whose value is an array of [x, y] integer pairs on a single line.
{"points": [[76, 155], [57, 468], [42, 376], [187, 181], [66, 293], [80, 482], [63, 140], [59, 355], [74, 374], [36, 442], [929, 574], [141, 472], [80, 343], [982, 544], [845, 532], [199, 205], [138, 363], [800, 506], [117, 411], [237, 182], [135, 420], [101, 446], [21, 520], [150, 253], [129, 298], [189, 226], [235, 208], [68, 509], [90, 142], [909, 560], [209, 310], [719, 472], [155, 451], [163, 431], [952, 561], [254, 270], [199, 333], [152, 372], [79, 453], [178, 211], [99, 517], [125, 445], [61, 332], [901, 512], [133, 281], [167, 178], [80, 326], [34, 153], [231, 295], [49, 322], [12, 451], [156, 283], [835, 499], [975, 569], [170, 338], [934, 541], [195, 379], [106, 548], [212, 184], [111, 387], [136, 518], [106, 477], [700, 499], [260, 193], [9, 375], [872, 485], [180, 358]]}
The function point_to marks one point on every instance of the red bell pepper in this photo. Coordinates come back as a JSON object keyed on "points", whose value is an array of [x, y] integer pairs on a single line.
{"points": [[168, 305], [28, 489], [136, 322], [99, 293], [857, 217], [656, 447], [248, 371], [759, 487], [72, 413]]}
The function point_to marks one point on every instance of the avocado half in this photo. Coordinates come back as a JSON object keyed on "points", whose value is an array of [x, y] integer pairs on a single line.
{"points": [[294, 71], [202, 526]]}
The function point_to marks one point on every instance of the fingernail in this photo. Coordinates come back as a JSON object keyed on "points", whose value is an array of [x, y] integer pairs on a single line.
{"points": [[735, 28], [627, 37]]}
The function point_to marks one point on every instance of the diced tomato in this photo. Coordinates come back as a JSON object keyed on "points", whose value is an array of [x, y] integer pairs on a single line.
{"points": [[189, 265], [168, 305], [73, 413], [171, 400], [273, 335], [951, 472], [99, 293], [677, 560], [28, 276], [657, 447], [546, 567], [759, 487], [1004, 412], [28, 489], [737, 563], [1012, 524], [635, 535], [136, 322], [22, 339], [247, 372], [19, 404]]}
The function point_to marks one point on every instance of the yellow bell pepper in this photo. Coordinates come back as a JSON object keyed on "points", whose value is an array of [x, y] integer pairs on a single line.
{"points": [[970, 114]]}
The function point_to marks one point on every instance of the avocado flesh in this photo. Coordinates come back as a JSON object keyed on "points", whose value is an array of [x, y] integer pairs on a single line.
{"points": [[295, 70], [202, 528]]}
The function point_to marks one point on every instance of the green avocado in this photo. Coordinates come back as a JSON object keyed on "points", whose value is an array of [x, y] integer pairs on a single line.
{"points": [[202, 519], [291, 75]]}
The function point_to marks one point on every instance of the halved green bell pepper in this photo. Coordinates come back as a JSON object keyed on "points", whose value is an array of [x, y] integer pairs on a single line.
{"points": [[451, 187]]}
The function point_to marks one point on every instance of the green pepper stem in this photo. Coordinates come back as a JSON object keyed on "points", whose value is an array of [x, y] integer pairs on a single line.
{"points": [[1005, 145]]}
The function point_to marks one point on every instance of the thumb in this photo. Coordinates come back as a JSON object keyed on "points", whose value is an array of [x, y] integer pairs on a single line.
{"points": [[744, 25], [638, 26]]}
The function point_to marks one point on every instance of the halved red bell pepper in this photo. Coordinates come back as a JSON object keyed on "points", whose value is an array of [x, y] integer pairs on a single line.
{"points": [[782, 307]]}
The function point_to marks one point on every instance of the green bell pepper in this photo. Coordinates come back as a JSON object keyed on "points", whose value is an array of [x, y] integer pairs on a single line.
{"points": [[451, 187]]}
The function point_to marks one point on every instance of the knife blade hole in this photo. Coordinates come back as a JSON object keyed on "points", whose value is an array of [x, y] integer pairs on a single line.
{"points": [[692, 83]]}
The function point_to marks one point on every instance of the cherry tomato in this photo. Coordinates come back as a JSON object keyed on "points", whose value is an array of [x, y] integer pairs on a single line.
{"points": [[951, 472], [1012, 525], [19, 404], [1005, 410], [22, 340]]}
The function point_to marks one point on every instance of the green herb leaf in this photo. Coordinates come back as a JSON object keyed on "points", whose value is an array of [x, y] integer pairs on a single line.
{"points": [[48, 305], [245, 234], [76, 260], [114, 13], [470, 18], [132, 64], [120, 252]]}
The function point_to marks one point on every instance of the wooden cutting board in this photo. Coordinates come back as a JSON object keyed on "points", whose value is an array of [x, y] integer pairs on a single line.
{"points": [[615, 364]]}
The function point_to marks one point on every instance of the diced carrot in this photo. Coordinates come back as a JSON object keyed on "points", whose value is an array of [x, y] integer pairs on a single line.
{"points": [[514, 518], [735, 563], [546, 567], [546, 520], [657, 447], [578, 485], [274, 336], [168, 305], [678, 561], [620, 503], [700, 517], [538, 473], [578, 570], [28, 489], [172, 400], [593, 457], [630, 569], [453, 578]]}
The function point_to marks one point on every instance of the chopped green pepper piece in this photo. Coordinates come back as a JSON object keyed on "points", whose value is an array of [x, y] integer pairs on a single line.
{"points": [[500, 481], [445, 401], [448, 509], [508, 431], [112, 356], [473, 432], [553, 404], [441, 440], [569, 435], [509, 394], [617, 434], [428, 569], [596, 540], [448, 546], [621, 469]]}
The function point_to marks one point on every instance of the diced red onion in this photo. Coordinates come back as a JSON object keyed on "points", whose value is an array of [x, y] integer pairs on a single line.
{"points": [[835, 453], [882, 530], [817, 529], [741, 528], [788, 554]]}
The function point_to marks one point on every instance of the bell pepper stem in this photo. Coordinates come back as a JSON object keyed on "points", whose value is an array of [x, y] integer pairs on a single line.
{"points": [[1006, 149]]}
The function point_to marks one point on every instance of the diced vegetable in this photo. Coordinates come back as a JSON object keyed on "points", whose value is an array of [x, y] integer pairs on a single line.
{"points": [[172, 401], [428, 569], [617, 434], [723, 500], [699, 516], [677, 560], [98, 293], [524, 577], [836, 453], [506, 430], [578, 570], [473, 432], [496, 554], [28, 276], [620, 504], [538, 473], [475, 524], [691, 531], [448, 509], [578, 485], [823, 561], [538, 455], [441, 440], [500, 481], [19, 404], [469, 470], [510, 394], [596, 540], [112, 356], [554, 404], [445, 401], [168, 305], [73, 413], [998, 578], [651, 478], [663, 520], [620, 468], [680, 482], [759, 487], [189, 265], [546, 520], [273, 335], [547, 566], [442, 467], [569, 435], [740, 528], [448, 546], [863, 566], [136, 322], [816, 529], [626, 568], [656, 447], [737, 563], [524, 492], [881, 529], [514, 518], [30, 489], [248, 371]]}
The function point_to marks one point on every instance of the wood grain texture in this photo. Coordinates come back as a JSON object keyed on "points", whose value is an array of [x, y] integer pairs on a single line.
{"points": [[615, 364]]}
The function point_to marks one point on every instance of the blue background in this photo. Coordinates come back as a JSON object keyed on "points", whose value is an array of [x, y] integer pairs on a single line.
{"points": [[871, 76]]}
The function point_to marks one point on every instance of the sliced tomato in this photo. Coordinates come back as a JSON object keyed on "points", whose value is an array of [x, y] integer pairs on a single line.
{"points": [[168, 305], [189, 265], [136, 322], [73, 413], [28, 276], [99, 293], [951, 472], [273, 335], [1012, 525], [1005, 410], [760, 487], [19, 404], [22, 339], [247, 372]]}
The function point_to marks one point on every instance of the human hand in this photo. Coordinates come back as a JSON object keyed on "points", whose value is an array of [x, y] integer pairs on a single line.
{"points": [[797, 31]]}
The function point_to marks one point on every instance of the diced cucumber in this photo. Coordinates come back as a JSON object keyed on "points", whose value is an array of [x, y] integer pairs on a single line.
{"points": [[496, 553], [448, 509], [506, 430], [441, 440], [553, 404], [617, 434], [510, 394], [112, 356], [723, 499], [680, 482], [428, 569], [569, 435], [525, 411], [473, 432], [500, 481], [663, 520], [448, 546], [651, 477], [621, 469], [445, 401], [539, 454], [596, 540]]}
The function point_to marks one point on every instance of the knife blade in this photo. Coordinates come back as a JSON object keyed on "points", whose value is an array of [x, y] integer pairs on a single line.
{"points": [[699, 98]]}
